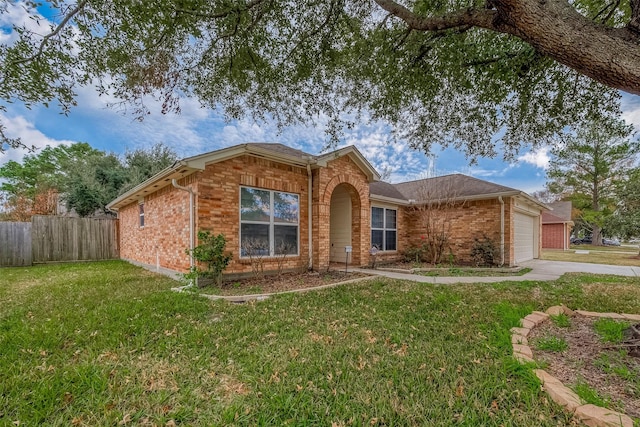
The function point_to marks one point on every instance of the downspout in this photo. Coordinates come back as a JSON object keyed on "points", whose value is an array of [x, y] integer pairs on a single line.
{"points": [[501, 230], [310, 212], [191, 235]]}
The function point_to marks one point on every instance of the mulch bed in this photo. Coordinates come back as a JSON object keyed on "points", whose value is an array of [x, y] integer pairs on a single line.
{"points": [[281, 283], [582, 362]]}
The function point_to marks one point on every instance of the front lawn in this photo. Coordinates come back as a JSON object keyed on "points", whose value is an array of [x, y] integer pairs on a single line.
{"points": [[594, 256], [109, 344]]}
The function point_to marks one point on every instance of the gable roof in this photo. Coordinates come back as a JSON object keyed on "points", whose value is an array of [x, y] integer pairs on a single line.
{"points": [[455, 186], [272, 151], [561, 212]]}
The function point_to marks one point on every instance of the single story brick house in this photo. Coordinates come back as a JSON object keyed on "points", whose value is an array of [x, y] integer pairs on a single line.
{"points": [[557, 226], [310, 207]]}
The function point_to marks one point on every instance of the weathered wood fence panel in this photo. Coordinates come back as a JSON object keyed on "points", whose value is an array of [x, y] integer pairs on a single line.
{"points": [[57, 238], [15, 244]]}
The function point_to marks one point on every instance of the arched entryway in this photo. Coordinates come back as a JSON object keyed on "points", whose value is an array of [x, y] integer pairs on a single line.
{"points": [[344, 224], [340, 224]]}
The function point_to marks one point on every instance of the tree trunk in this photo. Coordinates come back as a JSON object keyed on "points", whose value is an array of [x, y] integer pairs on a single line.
{"points": [[554, 28]]}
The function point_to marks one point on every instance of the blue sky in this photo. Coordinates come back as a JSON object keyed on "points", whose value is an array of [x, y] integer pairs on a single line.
{"points": [[197, 130]]}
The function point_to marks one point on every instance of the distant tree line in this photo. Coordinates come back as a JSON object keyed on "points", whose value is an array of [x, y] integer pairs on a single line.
{"points": [[77, 176]]}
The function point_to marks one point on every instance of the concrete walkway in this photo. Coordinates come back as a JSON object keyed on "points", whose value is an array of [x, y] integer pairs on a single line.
{"points": [[540, 270]]}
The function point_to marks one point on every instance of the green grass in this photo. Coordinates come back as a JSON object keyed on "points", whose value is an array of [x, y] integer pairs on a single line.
{"points": [[104, 343], [561, 320], [590, 395], [551, 343], [610, 330]]}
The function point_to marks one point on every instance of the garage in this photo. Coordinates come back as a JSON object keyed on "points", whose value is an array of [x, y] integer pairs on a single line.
{"points": [[525, 237]]}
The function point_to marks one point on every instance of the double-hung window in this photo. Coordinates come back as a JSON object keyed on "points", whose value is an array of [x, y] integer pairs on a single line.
{"points": [[269, 222], [383, 228]]}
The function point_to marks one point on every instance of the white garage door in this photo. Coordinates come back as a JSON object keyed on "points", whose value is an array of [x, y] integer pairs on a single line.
{"points": [[524, 245]]}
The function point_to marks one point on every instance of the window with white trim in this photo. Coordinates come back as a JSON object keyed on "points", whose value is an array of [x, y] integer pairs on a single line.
{"points": [[269, 222], [141, 214], [383, 228]]}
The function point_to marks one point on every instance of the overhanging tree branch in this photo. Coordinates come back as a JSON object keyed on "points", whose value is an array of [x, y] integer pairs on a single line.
{"points": [[45, 40]]}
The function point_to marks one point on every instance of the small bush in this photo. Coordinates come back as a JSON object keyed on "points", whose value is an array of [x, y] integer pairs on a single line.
{"points": [[210, 252], [484, 252]]}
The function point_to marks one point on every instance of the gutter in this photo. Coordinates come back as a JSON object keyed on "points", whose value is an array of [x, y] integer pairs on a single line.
{"points": [[310, 211], [501, 230], [191, 203]]}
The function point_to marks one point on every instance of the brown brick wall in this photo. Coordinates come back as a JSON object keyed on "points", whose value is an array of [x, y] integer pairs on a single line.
{"points": [[553, 236], [464, 223], [219, 203], [165, 234], [341, 171]]}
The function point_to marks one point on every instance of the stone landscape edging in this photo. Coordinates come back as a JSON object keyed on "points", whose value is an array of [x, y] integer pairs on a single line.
{"points": [[590, 415]]}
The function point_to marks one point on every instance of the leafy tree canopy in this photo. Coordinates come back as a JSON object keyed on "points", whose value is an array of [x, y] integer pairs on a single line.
{"points": [[86, 178], [625, 222], [465, 73]]}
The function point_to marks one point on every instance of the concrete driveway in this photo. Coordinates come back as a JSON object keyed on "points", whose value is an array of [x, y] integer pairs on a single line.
{"points": [[540, 270]]}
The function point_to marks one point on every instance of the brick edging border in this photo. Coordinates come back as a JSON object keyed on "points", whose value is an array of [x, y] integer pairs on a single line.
{"points": [[590, 415]]}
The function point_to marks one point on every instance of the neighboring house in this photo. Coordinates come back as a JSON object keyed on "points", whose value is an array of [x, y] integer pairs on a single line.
{"points": [[557, 226], [280, 200]]}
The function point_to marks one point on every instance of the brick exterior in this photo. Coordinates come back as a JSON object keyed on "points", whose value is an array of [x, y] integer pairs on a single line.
{"points": [[219, 202], [465, 222], [341, 171], [165, 236], [554, 236]]}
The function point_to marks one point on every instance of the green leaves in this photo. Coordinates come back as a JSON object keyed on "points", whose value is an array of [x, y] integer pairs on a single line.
{"points": [[590, 166], [86, 178], [293, 62]]}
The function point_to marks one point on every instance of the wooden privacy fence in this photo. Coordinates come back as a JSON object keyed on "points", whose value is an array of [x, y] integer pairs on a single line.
{"points": [[15, 244], [56, 238]]}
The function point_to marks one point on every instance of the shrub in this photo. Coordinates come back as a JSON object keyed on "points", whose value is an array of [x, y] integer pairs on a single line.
{"points": [[210, 252], [484, 252]]}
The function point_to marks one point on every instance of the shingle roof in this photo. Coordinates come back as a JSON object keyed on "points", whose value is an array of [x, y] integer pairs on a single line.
{"points": [[561, 211], [384, 189], [281, 149], [447, 186]]}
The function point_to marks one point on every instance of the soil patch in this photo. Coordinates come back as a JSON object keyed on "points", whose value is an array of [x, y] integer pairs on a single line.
{"points": [[612, 373], [280, 283]]}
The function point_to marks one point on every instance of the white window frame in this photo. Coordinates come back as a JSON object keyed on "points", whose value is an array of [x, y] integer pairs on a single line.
{"points": [[384, 228], [141, 214], [271, 223]]}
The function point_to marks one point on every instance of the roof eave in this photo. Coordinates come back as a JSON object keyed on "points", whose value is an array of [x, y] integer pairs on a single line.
{"points": [[356, 156], [392, 200], [163, 178]]}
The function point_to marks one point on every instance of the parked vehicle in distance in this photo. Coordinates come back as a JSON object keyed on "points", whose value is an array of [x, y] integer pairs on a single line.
{"points": [[611, 242], [586, 240]]}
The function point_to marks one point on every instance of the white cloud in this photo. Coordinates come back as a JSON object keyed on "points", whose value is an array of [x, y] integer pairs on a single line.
{"points": [[538, 158], [19, 127], [16, 14], [632, 117]]}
